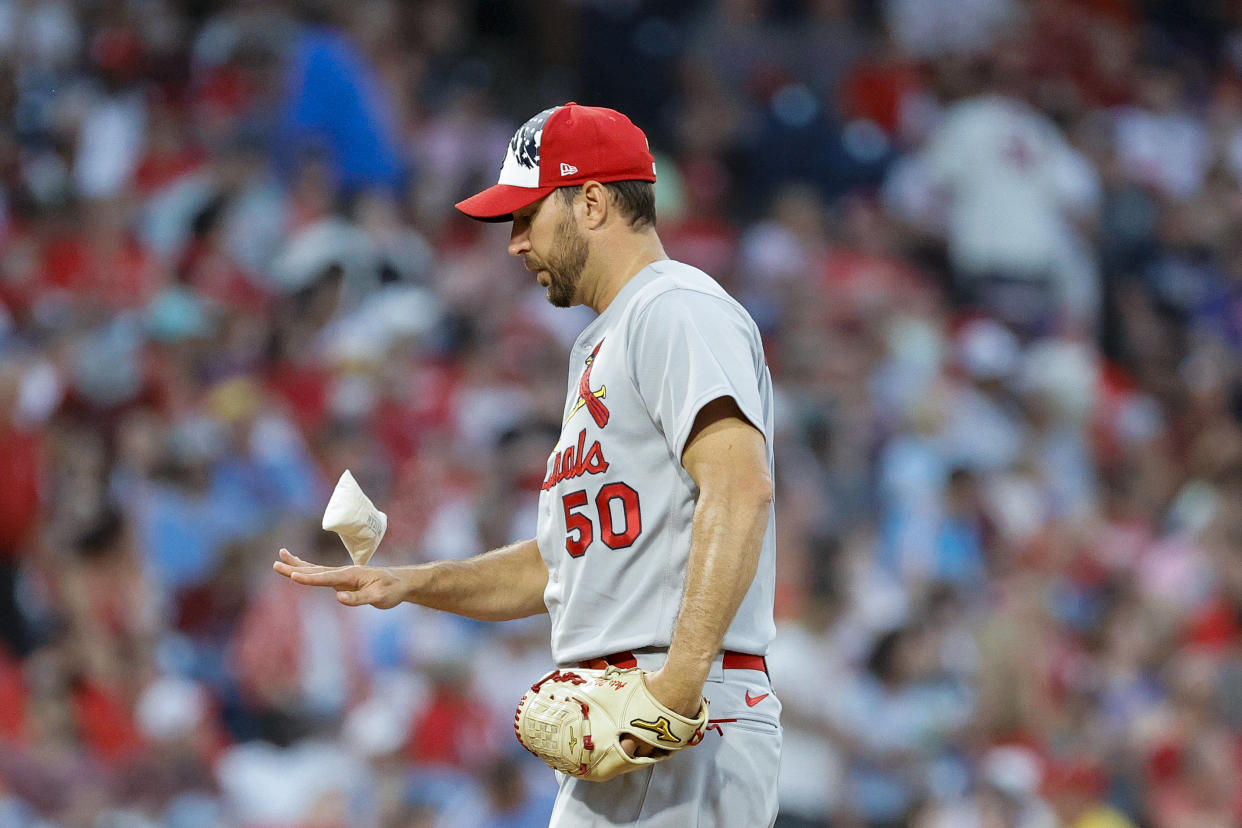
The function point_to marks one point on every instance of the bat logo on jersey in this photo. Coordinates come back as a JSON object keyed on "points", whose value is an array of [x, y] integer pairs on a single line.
{"points": [[660, 727], [592, 400], [524, 147]]}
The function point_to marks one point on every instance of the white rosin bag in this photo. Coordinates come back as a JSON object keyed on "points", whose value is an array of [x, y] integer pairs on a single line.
{"points": [[353, 517]]}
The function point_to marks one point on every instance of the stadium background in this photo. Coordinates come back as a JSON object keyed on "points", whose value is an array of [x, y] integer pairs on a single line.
{"points": [[995, 247]]}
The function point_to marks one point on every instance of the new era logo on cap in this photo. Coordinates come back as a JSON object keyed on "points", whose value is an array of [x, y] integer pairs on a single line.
{"points": [[604, 145]]}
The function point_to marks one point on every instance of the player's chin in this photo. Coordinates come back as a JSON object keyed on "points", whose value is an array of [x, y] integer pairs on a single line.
{"points": [[560, 298]]}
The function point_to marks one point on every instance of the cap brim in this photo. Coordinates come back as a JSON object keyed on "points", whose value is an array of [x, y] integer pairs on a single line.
{"points": [[501, 201]]}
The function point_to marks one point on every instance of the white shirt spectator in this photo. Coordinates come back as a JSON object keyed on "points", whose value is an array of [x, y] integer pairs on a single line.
{"points": [[806, 669], [1167, 150], [1013, 183], [932, 28], [266, 785], [110, 145], [43, 35]]}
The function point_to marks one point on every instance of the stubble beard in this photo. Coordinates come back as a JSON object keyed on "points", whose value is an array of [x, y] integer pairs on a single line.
{"points": [[565, 263]]}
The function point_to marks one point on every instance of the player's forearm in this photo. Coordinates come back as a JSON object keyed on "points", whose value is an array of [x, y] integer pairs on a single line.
{"points": [[729, 524], [500, 585]]}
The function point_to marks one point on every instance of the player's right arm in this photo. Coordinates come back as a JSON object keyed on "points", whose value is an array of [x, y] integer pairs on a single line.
{"points": [[499, 585]]}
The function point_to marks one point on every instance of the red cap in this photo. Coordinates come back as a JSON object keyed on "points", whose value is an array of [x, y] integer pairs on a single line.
{"points": [[562, 147]]}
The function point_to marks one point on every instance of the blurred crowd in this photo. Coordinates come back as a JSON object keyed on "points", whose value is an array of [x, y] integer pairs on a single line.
{"points": [[994, 246]]}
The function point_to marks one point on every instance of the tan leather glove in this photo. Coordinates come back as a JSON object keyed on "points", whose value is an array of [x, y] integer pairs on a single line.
{"points": [[574, 720]]}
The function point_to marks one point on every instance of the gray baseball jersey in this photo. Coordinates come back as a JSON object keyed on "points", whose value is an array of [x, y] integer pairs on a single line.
{"points": [[616, 507]]}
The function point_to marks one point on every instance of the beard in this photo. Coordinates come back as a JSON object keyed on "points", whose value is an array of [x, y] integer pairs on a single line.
{"points": [[565, 263]]}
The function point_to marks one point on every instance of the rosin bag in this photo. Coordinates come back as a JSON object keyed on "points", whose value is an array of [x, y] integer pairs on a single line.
{"points": [[353, 517]]}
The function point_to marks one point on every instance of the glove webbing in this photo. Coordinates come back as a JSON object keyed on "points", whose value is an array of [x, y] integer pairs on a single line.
{"points": [[550, 726]]}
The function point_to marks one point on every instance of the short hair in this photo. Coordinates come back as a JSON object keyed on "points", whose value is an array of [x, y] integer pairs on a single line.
{"points": [[636, 200]]}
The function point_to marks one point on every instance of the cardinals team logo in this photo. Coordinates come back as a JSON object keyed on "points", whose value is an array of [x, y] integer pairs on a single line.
{"points": [[593, 401]]}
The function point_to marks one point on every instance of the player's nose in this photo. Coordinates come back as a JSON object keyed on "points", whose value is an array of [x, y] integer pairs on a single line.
{"points": [[519, 240]]}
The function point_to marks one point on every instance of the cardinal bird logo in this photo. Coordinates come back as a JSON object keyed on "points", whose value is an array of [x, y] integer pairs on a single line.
{"points": [[592, 400]]}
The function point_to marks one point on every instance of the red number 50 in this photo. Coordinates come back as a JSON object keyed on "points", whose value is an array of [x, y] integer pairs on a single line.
{"points": [[580, 532]]}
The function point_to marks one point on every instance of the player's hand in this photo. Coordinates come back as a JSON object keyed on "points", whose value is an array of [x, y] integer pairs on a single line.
{"points": [[354, 585], [677, 696]]}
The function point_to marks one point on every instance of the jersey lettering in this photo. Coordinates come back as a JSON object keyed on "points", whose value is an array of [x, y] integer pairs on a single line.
{"points": [[569, 463]]}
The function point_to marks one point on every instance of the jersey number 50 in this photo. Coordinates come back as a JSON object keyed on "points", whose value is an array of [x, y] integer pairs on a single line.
{"points": [[580, 531]]}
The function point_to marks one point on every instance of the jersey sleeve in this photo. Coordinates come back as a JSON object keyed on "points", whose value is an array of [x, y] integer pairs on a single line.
{"points": [[688, 348]]}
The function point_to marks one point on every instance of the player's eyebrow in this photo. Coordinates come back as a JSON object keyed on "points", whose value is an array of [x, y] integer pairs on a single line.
{"points": [[531, 210], [524, 213]]}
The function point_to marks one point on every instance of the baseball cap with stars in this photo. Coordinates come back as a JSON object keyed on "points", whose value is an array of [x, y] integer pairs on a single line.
{"points": [[562, 147]]}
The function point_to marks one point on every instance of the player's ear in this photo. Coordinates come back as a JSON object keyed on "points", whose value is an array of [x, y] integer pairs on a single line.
{"points": [[594, 204]]}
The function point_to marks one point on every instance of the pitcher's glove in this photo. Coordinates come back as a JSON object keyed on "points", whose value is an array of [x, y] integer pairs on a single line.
{"points": [[574, 721]]}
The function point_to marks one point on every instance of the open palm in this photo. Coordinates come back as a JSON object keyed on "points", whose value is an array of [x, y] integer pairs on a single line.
{"points": [[354, 585]]}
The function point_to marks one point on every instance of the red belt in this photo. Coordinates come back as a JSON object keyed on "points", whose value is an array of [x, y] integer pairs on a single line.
{"points": [[626, 660]]}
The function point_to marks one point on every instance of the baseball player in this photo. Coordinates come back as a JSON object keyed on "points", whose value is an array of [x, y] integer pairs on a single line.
{"points": [[655, 545]]}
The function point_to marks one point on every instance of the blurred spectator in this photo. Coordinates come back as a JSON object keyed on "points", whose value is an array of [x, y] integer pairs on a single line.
{"points": [[21, 446], [113, 131], [900, 718], [336, 104], [1006, 793], [949, 27], [1159, 142], [298, 664], [510, 803], [810, 663], [1075, 791], [1015, 190], [452, 730]]}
